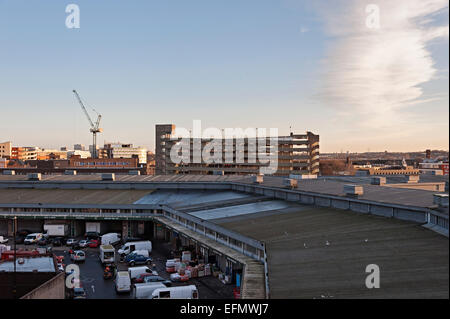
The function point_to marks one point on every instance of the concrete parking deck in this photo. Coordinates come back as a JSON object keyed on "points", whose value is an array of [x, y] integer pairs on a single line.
{"points": [[253, 284]]}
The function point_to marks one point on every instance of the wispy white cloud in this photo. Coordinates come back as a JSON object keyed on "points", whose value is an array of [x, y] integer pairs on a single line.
{"points": [[373, 74]]}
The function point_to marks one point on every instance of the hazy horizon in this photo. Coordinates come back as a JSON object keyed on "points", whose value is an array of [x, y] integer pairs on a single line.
{"points": [[299, 64]]}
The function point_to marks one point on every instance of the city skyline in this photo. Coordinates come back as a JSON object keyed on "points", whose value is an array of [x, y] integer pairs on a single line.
{"points": [[286, 64]]}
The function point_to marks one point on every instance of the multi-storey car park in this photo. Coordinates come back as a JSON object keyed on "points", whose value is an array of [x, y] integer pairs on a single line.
{"points": [[314, 240], [295, 154]]}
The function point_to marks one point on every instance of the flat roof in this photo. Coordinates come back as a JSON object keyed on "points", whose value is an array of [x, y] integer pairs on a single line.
{"points": [[323, 185], [70, 196], [39, 264], [323, 253]]}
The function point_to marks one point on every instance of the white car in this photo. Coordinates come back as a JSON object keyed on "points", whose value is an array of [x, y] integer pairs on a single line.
{"points": [[78, 255], [3, 240], [83, 243]]}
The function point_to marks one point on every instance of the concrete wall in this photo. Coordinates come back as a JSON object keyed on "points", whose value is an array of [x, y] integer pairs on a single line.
{"points": [[52, 289]]}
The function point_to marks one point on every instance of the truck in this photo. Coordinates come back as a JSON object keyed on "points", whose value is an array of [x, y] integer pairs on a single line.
{"points": [[56, 230], [107, 254]]}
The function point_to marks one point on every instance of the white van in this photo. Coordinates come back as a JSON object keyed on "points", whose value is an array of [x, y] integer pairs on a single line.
{"points": [[182, 292], [135, 272], [141, 252], [144, 291], [122, 282], [32, 238], [107, 254], [137, 245], [110, 239]]}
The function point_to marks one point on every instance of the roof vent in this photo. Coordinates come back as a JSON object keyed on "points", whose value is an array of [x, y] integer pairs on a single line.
{"points": [[353, 190], [441, 200], [290, 182], [378, 180], [34, 176], [412, 178], [108, 177], [303, 176], [258, 179]]}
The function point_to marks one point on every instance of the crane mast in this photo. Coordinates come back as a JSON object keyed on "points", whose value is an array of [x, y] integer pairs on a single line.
{"points": [[94, 127]]}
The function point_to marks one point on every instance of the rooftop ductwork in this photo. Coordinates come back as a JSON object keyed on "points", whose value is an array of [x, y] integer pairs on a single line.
{"points": [[108, 177], [34, 176], [377, 180], [353, 190]]}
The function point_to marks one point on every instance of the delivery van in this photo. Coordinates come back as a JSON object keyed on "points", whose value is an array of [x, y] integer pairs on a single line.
{"points": [[122, 282], [136, 245], [32, 238], [110, 239], [182, 292], [145, 290], [107, 254], [135, 272]]}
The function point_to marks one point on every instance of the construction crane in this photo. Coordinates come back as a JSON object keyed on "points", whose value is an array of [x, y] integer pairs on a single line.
{"points": [[94, 127]]}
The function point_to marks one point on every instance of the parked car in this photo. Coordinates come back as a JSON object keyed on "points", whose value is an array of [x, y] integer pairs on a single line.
{"points": [[58, 241], [60, 267], [83, 243], [135, 259], [79, 293], [32, 238], [147, 278], [78, 255], [92, 235], [3, 240], [23, 232], [43, 241], [71, 241], [93, 243], [20, 239]]}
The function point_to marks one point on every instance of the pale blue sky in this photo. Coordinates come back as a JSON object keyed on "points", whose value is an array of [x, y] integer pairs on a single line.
{"points": [[246, 63]]}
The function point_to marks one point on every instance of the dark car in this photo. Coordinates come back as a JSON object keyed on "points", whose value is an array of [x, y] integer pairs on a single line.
{"points": [[23, 232], [92, 235], [20, 239], [58, 241], [44, 241], [146, 278]]}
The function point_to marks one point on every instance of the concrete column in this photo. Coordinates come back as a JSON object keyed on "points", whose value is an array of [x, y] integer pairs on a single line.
{"points": [[125, 229]]}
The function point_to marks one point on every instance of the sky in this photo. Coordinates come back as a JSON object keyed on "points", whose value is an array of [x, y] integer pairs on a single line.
{"points": [[362, 83]]}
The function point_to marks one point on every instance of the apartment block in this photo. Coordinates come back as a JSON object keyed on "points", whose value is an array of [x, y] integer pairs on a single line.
{"points": [[5, 149], [24, 153], [295, 154], [119, 150]]}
